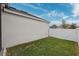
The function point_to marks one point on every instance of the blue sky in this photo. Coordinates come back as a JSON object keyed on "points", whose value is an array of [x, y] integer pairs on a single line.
{"points": [[53, 12]]}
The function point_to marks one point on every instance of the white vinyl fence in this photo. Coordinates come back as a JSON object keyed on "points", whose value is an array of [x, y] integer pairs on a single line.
{"points": [[67, 34], [17, 30]]}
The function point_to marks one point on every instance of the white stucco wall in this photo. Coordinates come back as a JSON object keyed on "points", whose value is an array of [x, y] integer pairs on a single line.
{"points": [[67, 34], [17, 30]]}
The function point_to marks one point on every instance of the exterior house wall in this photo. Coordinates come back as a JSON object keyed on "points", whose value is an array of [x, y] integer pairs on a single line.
{"points": [[67, 34], [17, 30]]}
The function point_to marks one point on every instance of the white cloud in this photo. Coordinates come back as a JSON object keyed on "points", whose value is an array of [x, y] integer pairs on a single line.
{"points": [[55, 22], [73, 21], [47, 14], [35, 7], [54, 13], [65, 17], [57, 14], [54, 16], [75, 10]]}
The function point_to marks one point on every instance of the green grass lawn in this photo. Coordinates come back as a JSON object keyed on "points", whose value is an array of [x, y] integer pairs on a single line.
{"points": [[49, 46]]}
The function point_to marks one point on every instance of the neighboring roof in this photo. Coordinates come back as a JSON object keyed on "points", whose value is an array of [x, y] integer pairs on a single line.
{"points": [[23, 14]]}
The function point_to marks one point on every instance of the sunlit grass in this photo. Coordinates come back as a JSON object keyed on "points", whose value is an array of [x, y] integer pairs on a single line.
{"points": [[49, 46]]}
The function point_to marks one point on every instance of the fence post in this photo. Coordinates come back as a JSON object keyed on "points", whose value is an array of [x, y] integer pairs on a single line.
{"points": [[77, 37], [0, 30], [48, 31]]}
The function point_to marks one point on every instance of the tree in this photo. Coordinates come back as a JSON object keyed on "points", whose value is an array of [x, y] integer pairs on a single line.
{"points": [[73, 26], [63, 24], [53, 26]]}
